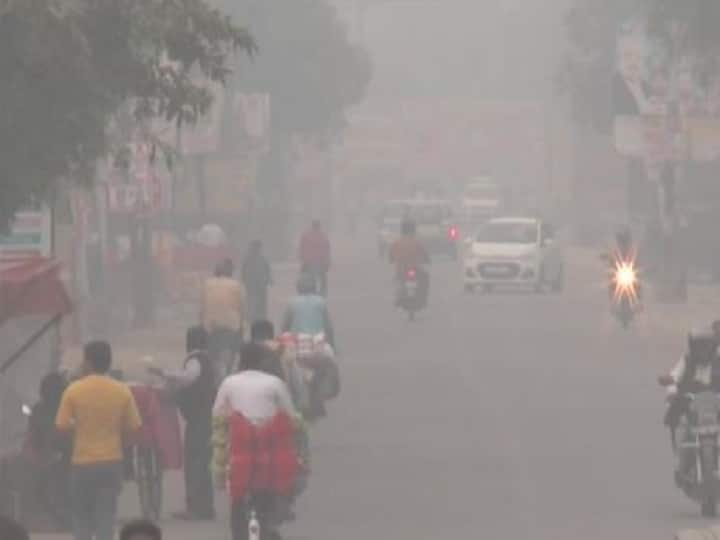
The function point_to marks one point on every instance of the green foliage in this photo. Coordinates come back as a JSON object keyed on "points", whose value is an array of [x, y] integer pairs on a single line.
{"points": [[306, 63], [69, 66], [586, 74]]}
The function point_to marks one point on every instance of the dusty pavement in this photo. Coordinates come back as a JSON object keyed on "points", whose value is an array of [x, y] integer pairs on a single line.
{"points": [[505, 416]]}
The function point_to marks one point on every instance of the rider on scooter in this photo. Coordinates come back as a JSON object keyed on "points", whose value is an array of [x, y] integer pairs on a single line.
{"points": [[408, 253], [307, 313]]}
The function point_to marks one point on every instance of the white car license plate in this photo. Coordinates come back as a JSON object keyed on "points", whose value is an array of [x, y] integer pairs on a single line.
{"points": [[496, 270]]}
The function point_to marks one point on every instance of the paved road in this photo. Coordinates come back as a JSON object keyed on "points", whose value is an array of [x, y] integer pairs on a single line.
{"points": [[505, 416], [508, 416]]}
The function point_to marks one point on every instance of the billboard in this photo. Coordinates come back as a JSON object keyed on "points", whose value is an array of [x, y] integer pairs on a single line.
{"points": [[30, 235], [663, 112]]}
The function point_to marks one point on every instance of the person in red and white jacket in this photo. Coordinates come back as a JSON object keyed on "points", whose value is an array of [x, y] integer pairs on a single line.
{"points": [[252, 412]]}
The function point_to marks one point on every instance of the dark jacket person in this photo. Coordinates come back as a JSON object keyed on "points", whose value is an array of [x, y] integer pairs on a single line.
{"points": [[257, 277], [195, 389]]}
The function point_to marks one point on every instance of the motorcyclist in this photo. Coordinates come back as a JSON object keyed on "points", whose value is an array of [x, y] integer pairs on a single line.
{"points": [[307, 313], [697, 370], [307, 318], [623, 252], [407, 253], [624, 245]]}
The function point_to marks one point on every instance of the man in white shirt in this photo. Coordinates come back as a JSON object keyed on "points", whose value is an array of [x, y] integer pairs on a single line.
{"points": [[258, 396], [695, 369], [255, 394]]}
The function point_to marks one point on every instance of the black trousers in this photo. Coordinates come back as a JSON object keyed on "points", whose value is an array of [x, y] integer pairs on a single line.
{"points": [[199, 495], [257, 304], [224, 340]]}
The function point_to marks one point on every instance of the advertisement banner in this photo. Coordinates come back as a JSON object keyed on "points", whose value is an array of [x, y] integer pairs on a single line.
{"points": [[30, 235], [663, 113], [145, 187]]}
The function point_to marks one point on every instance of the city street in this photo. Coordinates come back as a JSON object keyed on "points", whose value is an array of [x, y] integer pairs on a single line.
{"points": [[504, 416]]}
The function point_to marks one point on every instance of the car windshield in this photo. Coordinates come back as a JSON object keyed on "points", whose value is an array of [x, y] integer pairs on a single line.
{"points": [[482, 192], [393, 212], [420, 213], [508, 233]]}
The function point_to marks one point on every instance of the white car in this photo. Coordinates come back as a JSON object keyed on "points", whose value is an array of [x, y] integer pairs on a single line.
{"points": [[513, 252]]}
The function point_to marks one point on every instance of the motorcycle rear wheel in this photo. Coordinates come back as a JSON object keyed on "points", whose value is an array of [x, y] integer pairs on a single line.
{"points": [[149, 478]]}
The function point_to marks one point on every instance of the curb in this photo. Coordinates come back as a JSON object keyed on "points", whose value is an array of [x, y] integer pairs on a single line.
{"points": [[702, 308], [699, 534]]}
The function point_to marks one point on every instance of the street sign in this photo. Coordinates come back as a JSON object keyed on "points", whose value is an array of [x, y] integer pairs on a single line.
{"points": [[129, 198], [30, 235]]}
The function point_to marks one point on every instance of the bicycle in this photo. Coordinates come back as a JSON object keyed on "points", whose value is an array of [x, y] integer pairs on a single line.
{"points": [[145, 457]]}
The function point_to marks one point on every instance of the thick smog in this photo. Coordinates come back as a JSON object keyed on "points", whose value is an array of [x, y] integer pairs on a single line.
{"points": [[339, 269]]}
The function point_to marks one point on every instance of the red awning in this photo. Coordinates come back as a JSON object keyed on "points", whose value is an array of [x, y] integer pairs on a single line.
{"points": [[31, 286]]}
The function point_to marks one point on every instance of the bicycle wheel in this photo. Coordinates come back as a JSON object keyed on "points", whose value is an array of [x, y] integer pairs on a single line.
{"points": [[148, 475]]}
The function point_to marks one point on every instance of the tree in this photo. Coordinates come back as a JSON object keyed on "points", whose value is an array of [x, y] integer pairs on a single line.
{"points": [[69, 66], [587, 71], [310, 69]]}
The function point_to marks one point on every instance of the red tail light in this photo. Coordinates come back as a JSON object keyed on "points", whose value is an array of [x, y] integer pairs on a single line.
{"points": [[453, 233], [411, 274]]}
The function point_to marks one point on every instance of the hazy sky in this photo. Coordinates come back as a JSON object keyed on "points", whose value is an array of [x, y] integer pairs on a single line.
{"points": [[491, 48]]}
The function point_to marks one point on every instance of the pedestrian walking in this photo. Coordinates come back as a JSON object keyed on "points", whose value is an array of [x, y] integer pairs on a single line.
{"points": [[223, 312], [315, 255], [99, 412], [257, 277]]}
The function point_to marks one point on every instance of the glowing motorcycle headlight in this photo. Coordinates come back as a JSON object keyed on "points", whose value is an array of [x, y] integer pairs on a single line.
{"points": [[625, 276]]}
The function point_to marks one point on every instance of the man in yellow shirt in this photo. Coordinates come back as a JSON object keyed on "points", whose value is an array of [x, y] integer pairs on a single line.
{"points": [[99, 412], [223, 312]]}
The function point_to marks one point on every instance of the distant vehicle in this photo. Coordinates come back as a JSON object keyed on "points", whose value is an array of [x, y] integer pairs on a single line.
{"points": [[512, 251], [481, 200], [435, 226], [625, 291], [411, 299]]}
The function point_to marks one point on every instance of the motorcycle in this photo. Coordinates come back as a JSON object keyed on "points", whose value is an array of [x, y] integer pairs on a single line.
{"points": [[410, 294], [700, 443], [625, 290]]}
